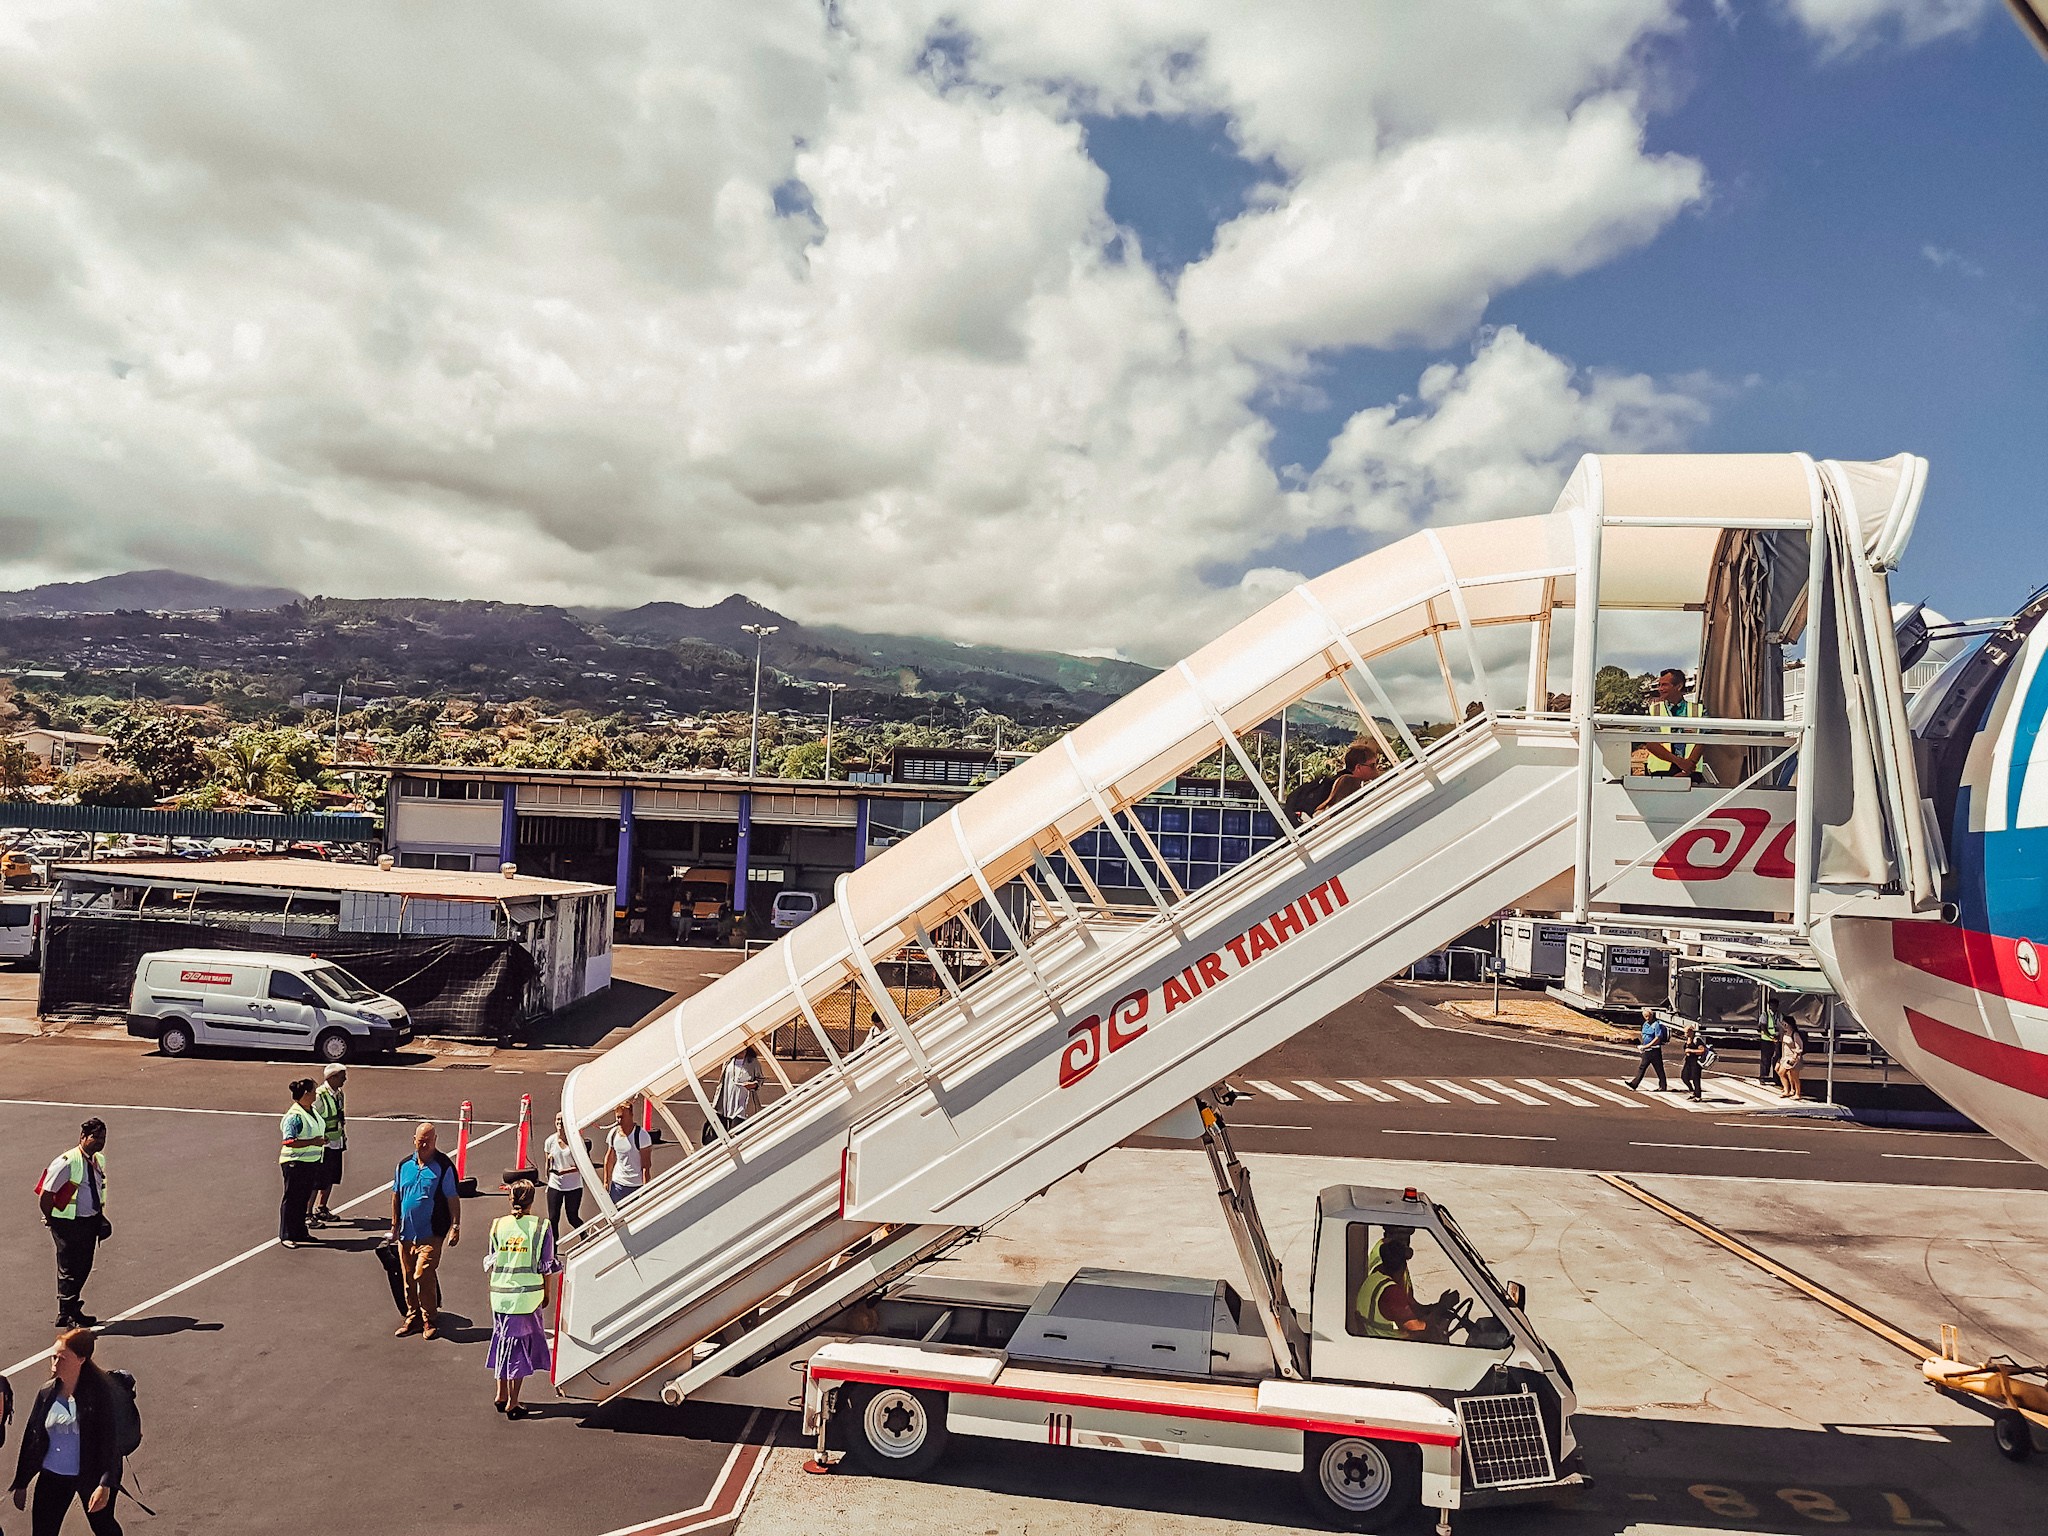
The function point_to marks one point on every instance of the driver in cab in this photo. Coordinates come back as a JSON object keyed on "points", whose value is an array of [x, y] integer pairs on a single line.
{"points": [[1386, 1301]]}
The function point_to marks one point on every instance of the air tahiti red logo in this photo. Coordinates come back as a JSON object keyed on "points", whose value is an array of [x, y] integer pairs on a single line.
{"points": [[1093, 1038], [1717, 847]]}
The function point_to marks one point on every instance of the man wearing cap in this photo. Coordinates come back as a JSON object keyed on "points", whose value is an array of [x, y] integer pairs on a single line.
{"points": [[73, 1196], [327, 1105]]}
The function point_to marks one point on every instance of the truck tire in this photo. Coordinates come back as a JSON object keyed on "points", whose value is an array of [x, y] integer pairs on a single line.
{"points": [[2014, 1435], [1356, 1484], [175, 1038], [334, 1045], [893, 1431]]}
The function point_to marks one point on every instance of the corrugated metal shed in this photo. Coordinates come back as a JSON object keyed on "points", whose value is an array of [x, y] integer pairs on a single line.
{"points": [[260, 826]]}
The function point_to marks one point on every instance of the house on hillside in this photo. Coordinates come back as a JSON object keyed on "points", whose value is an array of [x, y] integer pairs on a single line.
{"points": [[63, 749]]}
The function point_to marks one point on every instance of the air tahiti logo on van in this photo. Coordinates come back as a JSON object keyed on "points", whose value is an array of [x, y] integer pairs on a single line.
{"points": [[1711, 852], [1093, 1038], [208, 978]]}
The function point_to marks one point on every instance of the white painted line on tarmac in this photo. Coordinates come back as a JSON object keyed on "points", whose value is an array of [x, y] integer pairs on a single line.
{"points": [[1523, 1037], [1709, 1146], [1459, 1089], [1421, 1093], [1366, 1090], [1604, 1093], [1320, 1091], [222, 1268], [1265, 1125], [666, 1525], [1935, 1157], [1273, 1090], [1476, 1135], [1555, 1092], [1509, 1093]]}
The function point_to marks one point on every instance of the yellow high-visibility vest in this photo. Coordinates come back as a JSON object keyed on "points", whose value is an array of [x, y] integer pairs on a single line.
{"points": [[301, 1125], [516, 1283], [1684, 709], [74, 1171]]}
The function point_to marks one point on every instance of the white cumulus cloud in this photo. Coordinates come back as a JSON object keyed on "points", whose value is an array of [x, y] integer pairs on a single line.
{"points": [[1848, 26], [601, 303]]}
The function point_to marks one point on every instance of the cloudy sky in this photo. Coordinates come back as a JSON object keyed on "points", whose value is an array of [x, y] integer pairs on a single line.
{"points": [[1083, 323]]}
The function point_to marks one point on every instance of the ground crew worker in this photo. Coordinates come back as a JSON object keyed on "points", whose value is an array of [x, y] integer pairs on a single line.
{"points": [[302, 1151], [1385, 1301], [327, 1104], [1767, 1046], [522, 1257], [73, 1197], [1668, 700]]}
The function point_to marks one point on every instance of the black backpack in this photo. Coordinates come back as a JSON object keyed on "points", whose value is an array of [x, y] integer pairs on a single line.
{"points": [[127, 1414]]}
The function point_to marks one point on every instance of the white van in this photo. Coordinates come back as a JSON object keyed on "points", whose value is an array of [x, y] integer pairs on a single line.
{"points": [[22, 918], [791, 908], [188, 997]]}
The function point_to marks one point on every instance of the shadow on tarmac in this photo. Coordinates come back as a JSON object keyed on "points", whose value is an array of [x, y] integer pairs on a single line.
{"points": [[618, 1007], [155, 1327]]}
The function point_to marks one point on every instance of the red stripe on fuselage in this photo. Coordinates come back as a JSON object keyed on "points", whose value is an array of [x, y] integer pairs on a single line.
{"points": [[1983, 962], [2013, 1065]]}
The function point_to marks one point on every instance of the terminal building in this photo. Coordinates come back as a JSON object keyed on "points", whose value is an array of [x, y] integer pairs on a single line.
{"points": [[647, 834]]}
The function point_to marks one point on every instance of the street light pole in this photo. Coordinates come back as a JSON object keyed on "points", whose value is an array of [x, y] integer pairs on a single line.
{"points": [[831, 690], [760, 632]]}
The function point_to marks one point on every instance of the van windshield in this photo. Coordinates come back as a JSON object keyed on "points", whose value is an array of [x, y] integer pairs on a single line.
{"points": [[339, 985]]}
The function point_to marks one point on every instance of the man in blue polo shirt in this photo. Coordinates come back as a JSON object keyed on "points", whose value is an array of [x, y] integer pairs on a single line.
{"points": [[1650, 1054], [426, 1211]]}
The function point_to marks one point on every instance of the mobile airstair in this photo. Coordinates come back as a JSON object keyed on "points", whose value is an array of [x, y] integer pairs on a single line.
{"points": [[1070, 1016]]}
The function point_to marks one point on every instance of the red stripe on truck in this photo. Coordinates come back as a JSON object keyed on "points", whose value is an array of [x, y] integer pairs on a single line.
{"points": [[830, 1372]]}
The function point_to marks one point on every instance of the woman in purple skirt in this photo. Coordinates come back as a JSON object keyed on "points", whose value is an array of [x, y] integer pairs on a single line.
{"points": [[522, 1257]]}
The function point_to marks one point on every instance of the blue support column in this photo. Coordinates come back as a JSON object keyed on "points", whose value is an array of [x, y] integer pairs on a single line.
{"points": [[739, 856], [625, 884], [860, 831], [508, 824]]}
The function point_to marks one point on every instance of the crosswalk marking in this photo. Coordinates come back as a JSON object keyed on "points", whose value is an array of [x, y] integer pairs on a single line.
{"points": [[1421, 1093], [1459, 1089], [1273, 1090], [1511, 1093], [1555, 1092], [1367, 1089], [1603, 1093], [1715, 1102], [1320, 1091], [1756, 1092]]}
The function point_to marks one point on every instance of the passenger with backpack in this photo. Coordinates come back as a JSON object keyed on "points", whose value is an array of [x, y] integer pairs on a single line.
{"points": [[78, 1429], [426, 1215]]}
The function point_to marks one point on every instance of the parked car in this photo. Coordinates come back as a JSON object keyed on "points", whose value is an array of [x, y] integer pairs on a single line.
{"points": [[21, 928], [18, 869], [791, 908], [188, 997]]}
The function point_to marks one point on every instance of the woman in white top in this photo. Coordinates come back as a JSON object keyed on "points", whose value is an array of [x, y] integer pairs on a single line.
{"points": [[565, 1183]]}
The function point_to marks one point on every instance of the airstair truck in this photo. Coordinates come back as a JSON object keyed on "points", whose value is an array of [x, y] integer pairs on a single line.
{"points": [[1079, 1001]]}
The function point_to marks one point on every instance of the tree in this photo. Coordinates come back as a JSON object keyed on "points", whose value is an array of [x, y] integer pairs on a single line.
{"points": [[805, 760], [1619, 692], [20, 768], [105, 781], [160, 748]]}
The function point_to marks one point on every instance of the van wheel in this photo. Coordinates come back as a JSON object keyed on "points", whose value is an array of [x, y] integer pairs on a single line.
{"points": [[175, 1038], [1358, 1484], [893, 1431], [334, 1045]]}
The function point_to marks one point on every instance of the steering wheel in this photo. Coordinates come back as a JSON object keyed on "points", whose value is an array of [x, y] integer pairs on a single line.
{"points": [[1459, 1318]]}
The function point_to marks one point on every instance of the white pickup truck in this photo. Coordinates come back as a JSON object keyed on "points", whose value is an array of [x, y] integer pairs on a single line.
{"points": [[1417, 1380]]}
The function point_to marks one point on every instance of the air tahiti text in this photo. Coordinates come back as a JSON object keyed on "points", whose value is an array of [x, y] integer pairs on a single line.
{"points": [[1131, 1015]]}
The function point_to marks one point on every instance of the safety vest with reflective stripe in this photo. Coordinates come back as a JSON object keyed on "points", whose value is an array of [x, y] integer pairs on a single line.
{"points": [[327, 1105], [1684, 709], [74, 1172], [1377, 1283], [301, 1125], [516, 1283]]}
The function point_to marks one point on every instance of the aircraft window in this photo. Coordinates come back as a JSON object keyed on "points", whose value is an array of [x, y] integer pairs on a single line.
{"points": [[1400, 1284]]}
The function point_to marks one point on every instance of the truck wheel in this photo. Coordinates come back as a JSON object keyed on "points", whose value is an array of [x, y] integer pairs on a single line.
{"points": [[2015, 1437], [175, 1038], [334, 1045], [893, 1431], [1357, 1484]]}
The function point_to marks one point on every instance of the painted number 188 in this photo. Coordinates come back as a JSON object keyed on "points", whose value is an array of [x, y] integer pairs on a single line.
{"points": [[1820, 1508]]}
